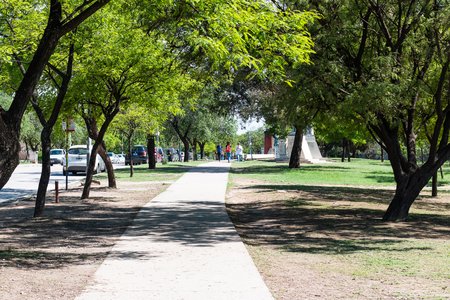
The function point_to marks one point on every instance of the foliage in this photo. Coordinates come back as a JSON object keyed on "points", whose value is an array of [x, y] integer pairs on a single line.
{"points": [[227, 36]]}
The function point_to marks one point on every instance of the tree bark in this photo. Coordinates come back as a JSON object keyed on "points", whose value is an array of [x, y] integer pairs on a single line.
{"points": [[94, 151], [294, 161], [130, 148], [202, 149], [91, 125], [108, 165], [344, 147], [46, 132], [151, 152], [407, 190], [45, 172], [434, 182], [186, 150], [194, 150]]}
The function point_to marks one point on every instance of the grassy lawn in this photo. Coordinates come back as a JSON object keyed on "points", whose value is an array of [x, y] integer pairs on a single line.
{"points": [[359, 172], [168, 172], [317, 232]]}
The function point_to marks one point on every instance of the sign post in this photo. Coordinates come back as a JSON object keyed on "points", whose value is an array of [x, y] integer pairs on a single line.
{"points": [[68, 127]]}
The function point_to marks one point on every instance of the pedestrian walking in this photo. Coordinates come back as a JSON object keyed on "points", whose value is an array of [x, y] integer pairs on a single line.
{"points": [[228, 151], [239, 151], [219, 151]]}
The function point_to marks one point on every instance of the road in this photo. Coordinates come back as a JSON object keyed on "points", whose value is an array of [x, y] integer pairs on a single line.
{"points": [[25, 181]]}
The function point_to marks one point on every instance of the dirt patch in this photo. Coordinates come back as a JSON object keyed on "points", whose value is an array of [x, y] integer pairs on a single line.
{"points": [[329, 242], [55, 257]]}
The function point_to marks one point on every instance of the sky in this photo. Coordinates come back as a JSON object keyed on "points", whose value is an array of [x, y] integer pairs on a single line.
{"points": [[250, 125]]}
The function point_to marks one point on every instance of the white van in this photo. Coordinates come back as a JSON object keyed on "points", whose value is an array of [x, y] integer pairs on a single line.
{"points": [[78, 160]]}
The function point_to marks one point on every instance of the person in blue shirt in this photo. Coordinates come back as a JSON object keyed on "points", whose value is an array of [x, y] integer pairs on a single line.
{"points": [[219, 151]]}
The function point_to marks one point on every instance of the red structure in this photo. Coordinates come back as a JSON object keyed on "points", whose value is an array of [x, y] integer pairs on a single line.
{"points": [[268, 142]]}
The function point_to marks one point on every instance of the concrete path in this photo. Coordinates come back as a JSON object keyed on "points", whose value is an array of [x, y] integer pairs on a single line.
{"points": [[182, 245]]}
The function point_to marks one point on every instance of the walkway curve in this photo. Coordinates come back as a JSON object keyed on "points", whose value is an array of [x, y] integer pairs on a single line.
{"points": [[182, 245]]}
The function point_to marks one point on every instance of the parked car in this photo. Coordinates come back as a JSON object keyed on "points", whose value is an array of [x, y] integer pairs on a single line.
{"points": [[139, 154], [78, 160], [113, 157], [57, 156], [159, 154], [120, 158]]}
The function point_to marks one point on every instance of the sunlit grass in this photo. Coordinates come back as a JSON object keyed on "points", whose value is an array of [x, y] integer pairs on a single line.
{"points": [[358, 172]]}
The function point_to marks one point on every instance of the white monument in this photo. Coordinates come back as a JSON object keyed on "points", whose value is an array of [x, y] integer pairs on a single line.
{"points": [[310, 149]]}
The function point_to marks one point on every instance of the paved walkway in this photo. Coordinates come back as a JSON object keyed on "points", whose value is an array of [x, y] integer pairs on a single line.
{"points": [[182, 245]]}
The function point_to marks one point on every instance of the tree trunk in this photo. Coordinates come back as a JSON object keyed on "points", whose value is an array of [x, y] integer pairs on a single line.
{"points": [[47, 128], [194, 150], [382, 154], [202, 150], [348, 151], [186, 150], [407, 189], [45, 172], [344, 144], [94, 151], [92, 129], [28, 151], [151, 152], [108, 165], [294, 161], [131, 157], [434, 182]]}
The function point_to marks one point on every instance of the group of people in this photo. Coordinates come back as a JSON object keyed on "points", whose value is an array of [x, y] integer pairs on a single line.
{"points": [[238, 152]]}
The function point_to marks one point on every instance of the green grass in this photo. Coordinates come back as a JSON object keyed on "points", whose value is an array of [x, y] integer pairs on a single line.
{"points": [[410, 258], [167, 172], [358, 172]]}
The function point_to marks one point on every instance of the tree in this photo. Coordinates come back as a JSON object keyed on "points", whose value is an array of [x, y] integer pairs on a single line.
{"points": [[390, 61], [122, 65], [61, 20]]}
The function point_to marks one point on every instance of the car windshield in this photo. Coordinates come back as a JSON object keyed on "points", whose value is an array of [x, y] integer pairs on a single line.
{"points": [[110, 154], [79, 151], [56, 152]]}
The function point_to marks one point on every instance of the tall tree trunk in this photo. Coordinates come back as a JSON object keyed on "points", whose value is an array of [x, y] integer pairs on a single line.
{"points": [[407, 189], [47, 129], [194, 150], [45, 172], [186, 150], [344, 144], [108, 165], [294, 161], [382, 154], [202, 149], [94, 151], [348, 151], [28, 151], [130, 153], [92, 128], [434, 182], [151, 152]]}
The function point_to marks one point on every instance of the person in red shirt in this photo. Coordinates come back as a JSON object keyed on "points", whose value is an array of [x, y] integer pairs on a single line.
{"points": [[228, 151]]}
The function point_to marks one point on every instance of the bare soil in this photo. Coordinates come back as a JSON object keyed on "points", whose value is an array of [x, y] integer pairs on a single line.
{"points": [[55, 257], [330, 243]]}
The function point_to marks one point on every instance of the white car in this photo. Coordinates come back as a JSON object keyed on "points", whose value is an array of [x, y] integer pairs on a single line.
{"points": [[57, 156], [78, 161], [121, 158]]}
